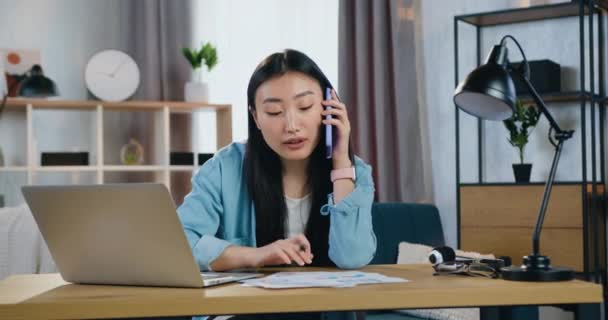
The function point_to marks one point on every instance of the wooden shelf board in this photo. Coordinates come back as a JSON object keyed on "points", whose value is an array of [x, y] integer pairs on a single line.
{"points": [[126, 168], [174, 106], [182, 168], [64, 168], [566, 96], [501, 17], [13, 169]]}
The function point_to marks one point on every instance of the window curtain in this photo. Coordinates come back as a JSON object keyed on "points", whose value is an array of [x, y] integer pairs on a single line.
{"points": [[159, 30], [379, 84]]}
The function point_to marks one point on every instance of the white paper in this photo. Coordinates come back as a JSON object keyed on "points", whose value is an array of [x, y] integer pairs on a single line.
{"points": [[340, 279]]}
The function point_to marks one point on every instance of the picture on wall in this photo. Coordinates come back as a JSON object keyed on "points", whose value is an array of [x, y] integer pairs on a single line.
{"points": [[16, 63]]}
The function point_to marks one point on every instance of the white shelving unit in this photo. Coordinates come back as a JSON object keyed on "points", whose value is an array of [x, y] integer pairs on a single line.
{"points": [[98, 167]]}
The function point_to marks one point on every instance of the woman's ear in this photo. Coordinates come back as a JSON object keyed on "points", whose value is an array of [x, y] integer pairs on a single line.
{"points": [[255, 117]]}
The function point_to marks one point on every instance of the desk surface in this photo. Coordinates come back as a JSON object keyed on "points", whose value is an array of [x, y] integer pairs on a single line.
{"points": [[48, 296]]}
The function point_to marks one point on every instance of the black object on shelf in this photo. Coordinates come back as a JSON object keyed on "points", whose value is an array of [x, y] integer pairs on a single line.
{"points": [[36, 85], [181, 158], [522, 172], [31, 84], [203, 157], [65, 159], [488, 93], [545, 76]]}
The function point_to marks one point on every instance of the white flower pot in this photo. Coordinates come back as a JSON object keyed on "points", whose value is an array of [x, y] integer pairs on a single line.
{"points": [[196, 91]]}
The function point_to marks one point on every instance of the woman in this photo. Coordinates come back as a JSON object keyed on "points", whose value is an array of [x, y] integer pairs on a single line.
{"points": [[272, 200]]}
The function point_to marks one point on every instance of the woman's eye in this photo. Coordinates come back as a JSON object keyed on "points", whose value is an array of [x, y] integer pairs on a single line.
{"points": [[272, 114], [306, 108]]}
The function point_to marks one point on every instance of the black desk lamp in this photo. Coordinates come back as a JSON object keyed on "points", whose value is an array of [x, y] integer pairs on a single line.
{"points": [[488, 93], [34, 84]]}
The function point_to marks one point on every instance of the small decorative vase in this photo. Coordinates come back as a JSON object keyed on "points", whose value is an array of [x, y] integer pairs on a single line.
{"points": [[196, 90], [522, 172], [132, 153]]}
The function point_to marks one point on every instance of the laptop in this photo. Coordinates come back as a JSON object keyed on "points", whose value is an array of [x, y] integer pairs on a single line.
{"points": [[118, 234]]}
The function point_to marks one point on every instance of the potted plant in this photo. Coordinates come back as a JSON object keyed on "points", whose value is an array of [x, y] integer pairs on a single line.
{"points": [[520, 127], [197, 89]]}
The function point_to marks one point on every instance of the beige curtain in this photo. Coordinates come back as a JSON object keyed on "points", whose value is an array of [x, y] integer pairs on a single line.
{"points": [[158, 31], [378, 82]]}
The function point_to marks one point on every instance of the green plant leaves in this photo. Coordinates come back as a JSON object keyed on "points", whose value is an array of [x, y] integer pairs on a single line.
{"points": [[520, 126], [192, 57], [207, 55]]}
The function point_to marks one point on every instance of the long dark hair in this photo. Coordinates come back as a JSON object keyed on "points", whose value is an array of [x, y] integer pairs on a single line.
{"points": [[262, 167]]}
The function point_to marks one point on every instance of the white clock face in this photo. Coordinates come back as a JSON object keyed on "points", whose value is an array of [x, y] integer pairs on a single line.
{"points": [[112, 75]]}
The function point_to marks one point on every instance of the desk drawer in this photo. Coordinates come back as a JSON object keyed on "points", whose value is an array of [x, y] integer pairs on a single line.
{"points": [[499, 219], [564, 246]]}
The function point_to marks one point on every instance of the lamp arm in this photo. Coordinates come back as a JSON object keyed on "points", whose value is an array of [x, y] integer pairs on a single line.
{"points": [[560, 136], [545, 202]]}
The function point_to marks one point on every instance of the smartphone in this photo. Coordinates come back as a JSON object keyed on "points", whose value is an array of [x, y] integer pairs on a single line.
{"points": [[329, 149]]}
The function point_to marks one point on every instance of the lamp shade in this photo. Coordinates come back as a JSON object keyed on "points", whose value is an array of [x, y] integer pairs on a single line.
{"points": [[35, 84], [488, 92]]}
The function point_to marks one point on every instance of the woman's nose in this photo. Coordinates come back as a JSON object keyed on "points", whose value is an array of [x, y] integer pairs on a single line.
{"points": [[291, 122]]}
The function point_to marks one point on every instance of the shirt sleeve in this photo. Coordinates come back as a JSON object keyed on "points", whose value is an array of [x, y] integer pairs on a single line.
{"points": [[201, 213], [352, 242]]}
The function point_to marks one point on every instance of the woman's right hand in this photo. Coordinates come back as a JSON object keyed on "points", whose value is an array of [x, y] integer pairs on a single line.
{"points": [[287, 251]]}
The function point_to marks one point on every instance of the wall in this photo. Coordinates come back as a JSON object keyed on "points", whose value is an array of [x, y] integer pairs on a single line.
{"points": [[67, 33], [245, 32]]}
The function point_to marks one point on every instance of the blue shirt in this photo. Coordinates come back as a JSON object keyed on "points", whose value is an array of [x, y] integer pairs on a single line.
{"points": [[219, 212]]}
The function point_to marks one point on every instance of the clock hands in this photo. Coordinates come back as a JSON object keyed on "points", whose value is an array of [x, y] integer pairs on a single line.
{"points": [[118, 67]]}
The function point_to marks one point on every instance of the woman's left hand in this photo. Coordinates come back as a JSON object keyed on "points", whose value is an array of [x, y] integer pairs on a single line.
{"points": [[340, 123]]}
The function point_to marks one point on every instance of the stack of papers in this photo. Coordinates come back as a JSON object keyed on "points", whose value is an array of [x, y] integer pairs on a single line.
{"points": [[283, 280]]}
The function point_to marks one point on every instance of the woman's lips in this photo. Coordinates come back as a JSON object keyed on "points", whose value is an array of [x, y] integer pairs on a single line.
{"points": [[295, 144]]}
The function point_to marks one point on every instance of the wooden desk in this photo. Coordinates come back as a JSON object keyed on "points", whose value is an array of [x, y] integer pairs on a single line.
{"points": [[48, 296]]}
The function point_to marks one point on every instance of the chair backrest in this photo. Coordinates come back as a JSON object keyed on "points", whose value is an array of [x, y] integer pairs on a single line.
{"points": [[397, 222]]}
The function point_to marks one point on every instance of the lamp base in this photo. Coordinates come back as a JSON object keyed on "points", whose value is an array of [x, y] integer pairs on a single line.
{"points": [[536, 268]]}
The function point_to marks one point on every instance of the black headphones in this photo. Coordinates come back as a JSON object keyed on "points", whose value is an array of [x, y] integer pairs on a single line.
{"points": [[442, 254], [446, 254]]}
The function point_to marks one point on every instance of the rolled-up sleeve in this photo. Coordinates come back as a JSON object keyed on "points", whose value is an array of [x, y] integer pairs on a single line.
{"points": [[352, 242], [201, 213]]}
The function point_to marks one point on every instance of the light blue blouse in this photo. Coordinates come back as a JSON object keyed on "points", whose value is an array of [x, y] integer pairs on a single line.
{"points": [[219, 212]]}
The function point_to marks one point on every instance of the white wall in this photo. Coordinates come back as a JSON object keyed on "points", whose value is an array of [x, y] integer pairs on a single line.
{"points": [[245, 32], [67, 32]]}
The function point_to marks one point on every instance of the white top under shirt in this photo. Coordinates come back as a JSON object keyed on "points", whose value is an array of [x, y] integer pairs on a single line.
{"points": [[298, 211]]}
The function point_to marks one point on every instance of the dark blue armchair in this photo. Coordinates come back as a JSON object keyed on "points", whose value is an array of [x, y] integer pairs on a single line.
{"points": [[397, 222]]}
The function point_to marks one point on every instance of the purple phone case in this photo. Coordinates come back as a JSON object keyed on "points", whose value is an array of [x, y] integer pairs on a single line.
{"points": [[328, 128]]}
